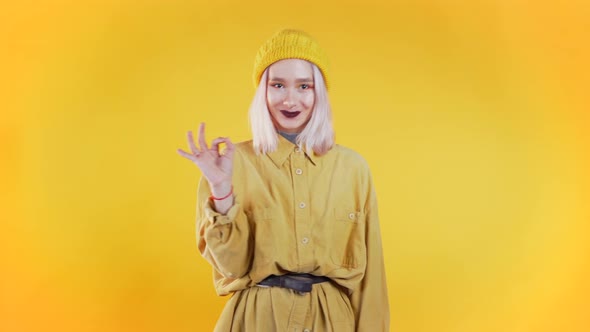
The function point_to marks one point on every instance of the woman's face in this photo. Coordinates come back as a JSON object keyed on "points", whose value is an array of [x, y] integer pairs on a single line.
{"points": [[290, 94]]}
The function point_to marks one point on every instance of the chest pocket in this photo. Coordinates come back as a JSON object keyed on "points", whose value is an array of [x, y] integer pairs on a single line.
{"points": [[261, 222], [348, 248]]}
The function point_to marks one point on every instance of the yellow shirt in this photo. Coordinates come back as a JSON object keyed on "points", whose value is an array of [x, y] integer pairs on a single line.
{"points": [[298, 212]]}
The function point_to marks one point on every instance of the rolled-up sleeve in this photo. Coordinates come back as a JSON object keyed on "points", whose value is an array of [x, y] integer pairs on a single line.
{"points": [[223, 240]]}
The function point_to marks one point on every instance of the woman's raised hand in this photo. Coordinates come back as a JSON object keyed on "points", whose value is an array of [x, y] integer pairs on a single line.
{"points": [[216, 167]]}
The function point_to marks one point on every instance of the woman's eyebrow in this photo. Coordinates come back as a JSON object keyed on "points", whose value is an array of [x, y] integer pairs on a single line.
{"points": [[298, 80]]}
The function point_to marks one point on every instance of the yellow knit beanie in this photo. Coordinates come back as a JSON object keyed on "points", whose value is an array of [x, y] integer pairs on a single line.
{"points": [[290, 44]]}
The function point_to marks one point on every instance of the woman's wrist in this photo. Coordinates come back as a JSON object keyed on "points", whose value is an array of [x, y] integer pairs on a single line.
{"points": [[230, 193], [222, 197], [221, 191]]}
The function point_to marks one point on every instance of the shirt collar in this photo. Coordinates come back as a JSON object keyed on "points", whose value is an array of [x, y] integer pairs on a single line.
{"points": [[284, 149]]}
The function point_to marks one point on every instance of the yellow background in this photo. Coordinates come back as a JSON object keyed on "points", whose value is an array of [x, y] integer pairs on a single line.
{"points": [[472, 114]]}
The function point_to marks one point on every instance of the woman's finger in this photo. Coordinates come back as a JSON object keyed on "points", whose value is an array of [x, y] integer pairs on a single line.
{"points": [[202, 141], [215, 144], [229, 147], [191, 143], [186, 154]]}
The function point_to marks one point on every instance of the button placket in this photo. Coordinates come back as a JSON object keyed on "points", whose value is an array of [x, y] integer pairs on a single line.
{"points": [[302, 207]]}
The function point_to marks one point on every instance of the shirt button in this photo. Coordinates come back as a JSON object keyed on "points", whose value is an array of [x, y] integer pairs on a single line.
{"points": [[305, 240], [297, 149], [298, 171], [301, 205], [351, 215], [307, 330]]}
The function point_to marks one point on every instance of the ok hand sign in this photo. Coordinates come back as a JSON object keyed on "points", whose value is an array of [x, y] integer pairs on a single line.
{"points": [[216, 166]]}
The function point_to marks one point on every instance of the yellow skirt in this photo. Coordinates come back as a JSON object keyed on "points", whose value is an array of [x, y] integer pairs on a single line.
{"points": [[266, 309]]}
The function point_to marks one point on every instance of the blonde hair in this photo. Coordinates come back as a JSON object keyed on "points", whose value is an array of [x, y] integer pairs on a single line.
{"points": [[318, 134]]}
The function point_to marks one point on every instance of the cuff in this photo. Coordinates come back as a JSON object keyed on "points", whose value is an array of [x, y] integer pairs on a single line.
{"points": [[217, 218]]}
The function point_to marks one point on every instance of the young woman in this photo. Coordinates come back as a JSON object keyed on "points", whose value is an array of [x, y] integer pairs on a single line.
{"points": [[289, 220]]}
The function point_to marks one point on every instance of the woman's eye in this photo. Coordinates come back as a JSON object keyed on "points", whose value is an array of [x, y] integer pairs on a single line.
{"points": [[304, 86], [277, 85]]}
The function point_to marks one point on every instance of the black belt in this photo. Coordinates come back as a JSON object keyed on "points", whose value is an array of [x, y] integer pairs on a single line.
{"points": [[300, 282]]}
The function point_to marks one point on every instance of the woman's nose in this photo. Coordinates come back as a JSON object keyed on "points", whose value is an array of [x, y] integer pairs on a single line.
{"points": [[289, 100]]}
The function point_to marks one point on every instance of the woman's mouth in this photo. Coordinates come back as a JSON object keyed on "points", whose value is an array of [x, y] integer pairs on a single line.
{"points": [[290, 114]]}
